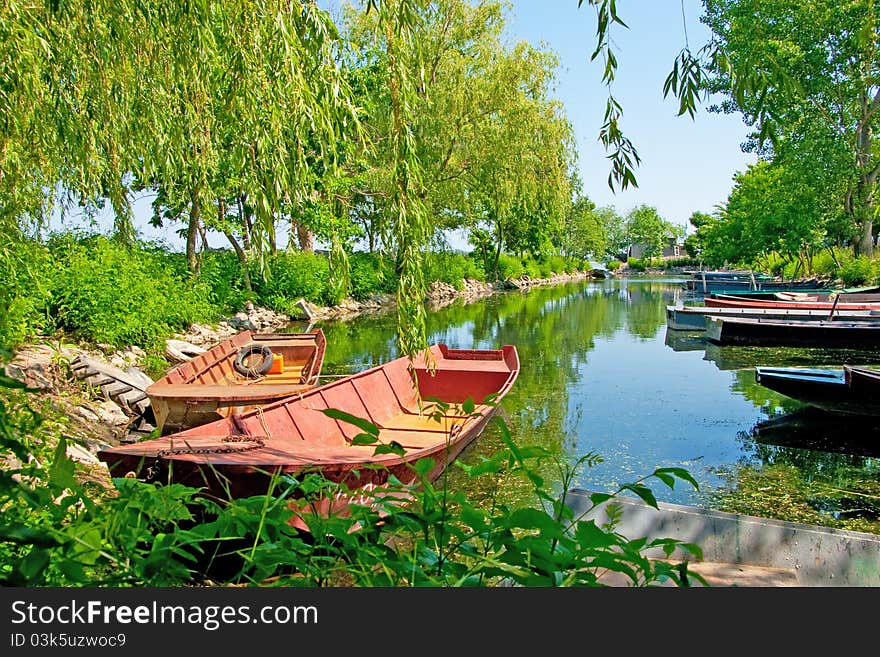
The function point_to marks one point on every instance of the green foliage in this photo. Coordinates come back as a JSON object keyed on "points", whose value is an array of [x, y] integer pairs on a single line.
{"points": [[510, 267], [107, 292], [24, 288], [827, 261], [221, 273], [453, 268], [59, 532], [645, 227], [613, 265], [557, 264], [637, 264], [371, 273], [859, 271], [535, 268], [801, 72], [292, 276]]}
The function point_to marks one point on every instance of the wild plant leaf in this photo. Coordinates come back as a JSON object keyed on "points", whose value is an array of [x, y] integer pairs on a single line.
{"points": [[531, 519], [34, 564], [364, 439], [599, 498], [393, 447], [473, 518], [61, 472], [643, 492], [27, 536], [492, 465], [468, 406], [680, 473], [667, 544], [422, 467], [534, 452], [589, 535], [360, 423]]}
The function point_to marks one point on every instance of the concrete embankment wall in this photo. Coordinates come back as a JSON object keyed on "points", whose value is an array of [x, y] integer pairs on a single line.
{"points": [[820, 556]]}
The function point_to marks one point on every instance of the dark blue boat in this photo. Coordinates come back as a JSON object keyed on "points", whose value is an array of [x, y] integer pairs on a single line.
{"points": [[849, 391]]}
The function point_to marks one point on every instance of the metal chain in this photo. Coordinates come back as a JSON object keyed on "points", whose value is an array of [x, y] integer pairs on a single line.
{"points": [[153, 470]]}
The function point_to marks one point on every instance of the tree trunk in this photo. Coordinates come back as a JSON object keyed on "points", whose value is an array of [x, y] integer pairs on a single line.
{"points": [[304, 237], [866, 241], [242, 260], [240, 252], [246, 223], [192, 233]]}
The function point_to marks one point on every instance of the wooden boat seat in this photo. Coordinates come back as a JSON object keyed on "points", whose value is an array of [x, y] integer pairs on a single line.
{"points": [[469, 366], [219, 391]]}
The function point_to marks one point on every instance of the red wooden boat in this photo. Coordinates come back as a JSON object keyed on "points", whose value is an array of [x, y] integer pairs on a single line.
{"points": [[236, 456], [730, 301], [239, 374]]}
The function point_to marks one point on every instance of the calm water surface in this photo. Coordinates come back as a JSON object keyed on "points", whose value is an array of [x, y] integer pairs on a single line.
{"points": [[601, 374]]}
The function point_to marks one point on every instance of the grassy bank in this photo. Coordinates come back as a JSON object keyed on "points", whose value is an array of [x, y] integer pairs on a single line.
{"points": [[100, 291]]}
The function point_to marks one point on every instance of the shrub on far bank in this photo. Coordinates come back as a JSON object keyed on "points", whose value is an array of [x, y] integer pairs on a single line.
{"points": [[221, 272], [859, 271], [370, 273], [684, 261], [106, 292], [637, 264], [452, 268], [510, 267], [292, 276]]}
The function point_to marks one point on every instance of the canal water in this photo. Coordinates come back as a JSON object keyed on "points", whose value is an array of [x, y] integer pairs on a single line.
{"points": [[603, 380]]}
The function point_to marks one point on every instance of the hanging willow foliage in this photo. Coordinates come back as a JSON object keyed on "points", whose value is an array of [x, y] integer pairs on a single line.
{"points": [[396, 22], [184, 95]]}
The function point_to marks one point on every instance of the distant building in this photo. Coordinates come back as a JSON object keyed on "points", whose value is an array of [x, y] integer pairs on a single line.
{"points": [[671, 249]]}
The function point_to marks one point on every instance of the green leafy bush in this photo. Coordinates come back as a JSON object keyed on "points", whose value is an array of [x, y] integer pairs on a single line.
{"points": [[107, 292], [558, 264], [292, 276], [613, 265], [24, 288], [826, 264], [858, 271], [534, 268], [221, 273], [510, 267], [684, 261], [452, 268], [370, 273], [637, 264]]}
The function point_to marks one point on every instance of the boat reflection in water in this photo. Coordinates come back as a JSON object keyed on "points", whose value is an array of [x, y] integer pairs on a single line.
{"points": [[817, 430], [685, 340]]}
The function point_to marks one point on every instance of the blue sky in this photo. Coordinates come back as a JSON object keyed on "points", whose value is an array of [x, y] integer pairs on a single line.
{"points": [[687, 165]]}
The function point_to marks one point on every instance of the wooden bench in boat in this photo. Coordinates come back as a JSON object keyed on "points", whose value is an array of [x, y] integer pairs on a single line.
{"points": [[220, 391]]}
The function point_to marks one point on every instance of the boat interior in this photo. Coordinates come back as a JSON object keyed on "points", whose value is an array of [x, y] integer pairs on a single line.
{"points": [[296, 429], [214, 372]]}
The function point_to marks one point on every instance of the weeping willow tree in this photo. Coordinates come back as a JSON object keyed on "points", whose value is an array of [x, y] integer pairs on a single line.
{"points": [[464, 132], [232, 111], [395, 28], [222, 108]]}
